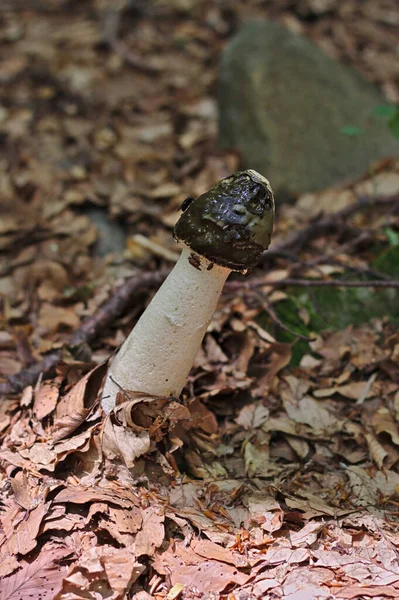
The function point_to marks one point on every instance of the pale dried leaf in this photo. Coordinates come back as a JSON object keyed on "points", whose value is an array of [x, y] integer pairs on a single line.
{"points": [[377, 452], [307, 535], [73, 408], [24, 539], [46, 398], [383, 422], [41, 578], [121, 568], [365, 490], [210, 550], [207, 576], [252, 416], [152, 533], [123, 443]]}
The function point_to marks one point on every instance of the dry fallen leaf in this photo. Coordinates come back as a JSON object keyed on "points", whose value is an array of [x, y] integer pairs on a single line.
{"points": [[41, 578]]}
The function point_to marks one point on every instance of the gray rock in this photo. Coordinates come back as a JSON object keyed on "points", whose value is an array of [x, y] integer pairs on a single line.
{"points": [[284, 105]]}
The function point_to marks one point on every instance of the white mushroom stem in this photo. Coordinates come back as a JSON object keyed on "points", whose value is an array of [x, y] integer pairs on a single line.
{"points": [[157, 356]]}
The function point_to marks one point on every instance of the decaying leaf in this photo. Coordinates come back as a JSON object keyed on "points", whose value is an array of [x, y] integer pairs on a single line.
{"points": [[186, 567], [41, 578], [74, 408]]}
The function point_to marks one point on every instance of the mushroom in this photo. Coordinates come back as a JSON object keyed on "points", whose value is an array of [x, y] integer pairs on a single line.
{"points": [[226, 229]]}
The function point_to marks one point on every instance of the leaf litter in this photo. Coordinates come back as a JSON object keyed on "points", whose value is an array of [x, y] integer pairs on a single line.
{"points": [[272, 478]]}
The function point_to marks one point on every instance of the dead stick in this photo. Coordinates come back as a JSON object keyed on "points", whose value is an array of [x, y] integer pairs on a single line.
{"points": [[384, 283], [290, 281], [89, 330], [326, 224]]}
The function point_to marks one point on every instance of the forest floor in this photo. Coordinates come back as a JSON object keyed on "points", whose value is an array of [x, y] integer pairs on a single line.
{"points": [[276, 475]]}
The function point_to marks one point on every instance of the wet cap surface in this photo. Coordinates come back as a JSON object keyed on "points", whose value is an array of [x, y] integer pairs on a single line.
{"points": [[231, 224]]}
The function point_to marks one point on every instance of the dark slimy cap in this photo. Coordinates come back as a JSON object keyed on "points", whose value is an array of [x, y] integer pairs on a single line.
{"points": [[231, 224]]}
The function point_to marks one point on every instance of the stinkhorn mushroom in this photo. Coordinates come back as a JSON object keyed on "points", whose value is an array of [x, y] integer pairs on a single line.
{"points": [[226, 229]]}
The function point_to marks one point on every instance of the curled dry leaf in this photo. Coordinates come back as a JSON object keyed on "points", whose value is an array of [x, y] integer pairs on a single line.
{"points": [[78, 403], [136, 425]]}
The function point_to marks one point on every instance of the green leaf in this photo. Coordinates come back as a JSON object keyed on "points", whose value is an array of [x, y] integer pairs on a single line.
{"points": [[350, 130], [385, 110], [394, 125], [393, 236], [388, 262]]}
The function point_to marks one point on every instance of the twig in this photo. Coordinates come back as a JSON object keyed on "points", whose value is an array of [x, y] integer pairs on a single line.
{"points": [[377, 283], [325, 224], [89, 330], [330, 258], [290, 281]]}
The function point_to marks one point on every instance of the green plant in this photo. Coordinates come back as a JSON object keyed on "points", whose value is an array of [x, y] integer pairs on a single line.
{"points": [[391, 113]]}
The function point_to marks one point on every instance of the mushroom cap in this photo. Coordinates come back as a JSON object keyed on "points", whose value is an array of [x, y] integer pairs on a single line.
{"points": [[231, 224]]}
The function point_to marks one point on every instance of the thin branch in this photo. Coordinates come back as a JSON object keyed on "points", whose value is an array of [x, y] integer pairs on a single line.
{"points": [[330, 258], [290, 281], [322, 225]]}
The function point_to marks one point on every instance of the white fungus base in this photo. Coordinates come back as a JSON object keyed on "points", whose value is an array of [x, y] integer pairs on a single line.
{"points": [[157, 356]]}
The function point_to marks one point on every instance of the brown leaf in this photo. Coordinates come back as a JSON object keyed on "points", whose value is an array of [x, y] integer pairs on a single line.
{"points": [[314, 506], [120, 442], [370, 591], [81, 495], [24, 539], [276, 556], [46, 398], [305, 582], [152, 533], [121, 568], [307, 535], [19, 485], [217, 532], [280, 356], [42, 578], [41, 455], [126, 520], [186, 567], [9, 365], [265, 512], [8, 562], [73, 408], [364, 488], [76, 442], [305, 409], [387, 482], [252, 416], [202, 417], [383, 422], [52, 317], [210, 550], [377, 452]]}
